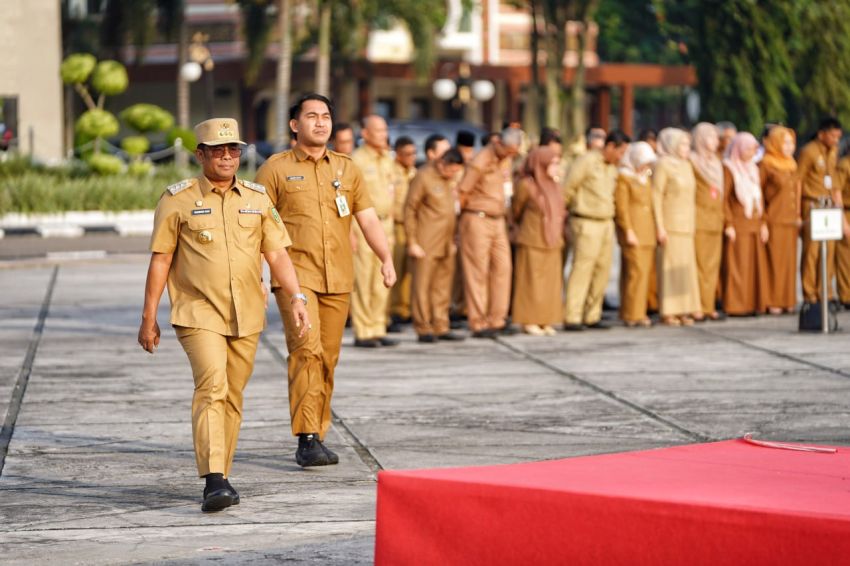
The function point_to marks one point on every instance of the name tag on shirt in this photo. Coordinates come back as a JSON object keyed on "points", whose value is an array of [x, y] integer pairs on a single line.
{"points": [[198, 211], [342, 206], [827, 182], [249, 211], [295, 178]]}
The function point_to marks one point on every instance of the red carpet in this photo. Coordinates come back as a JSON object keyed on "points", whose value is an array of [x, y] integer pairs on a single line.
{"points": [[705, 504]]}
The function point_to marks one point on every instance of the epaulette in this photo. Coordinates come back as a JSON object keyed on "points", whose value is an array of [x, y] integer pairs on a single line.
{"points": [[181, 186], [253, 186], [338, 154]]}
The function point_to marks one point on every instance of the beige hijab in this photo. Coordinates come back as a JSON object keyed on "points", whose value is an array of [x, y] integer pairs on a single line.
{"points": [[669, 140], [745, 173], [704, 159], [639, 154]]}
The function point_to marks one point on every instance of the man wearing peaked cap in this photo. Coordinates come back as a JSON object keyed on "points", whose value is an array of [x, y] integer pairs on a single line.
{"points": [[209, 237]]}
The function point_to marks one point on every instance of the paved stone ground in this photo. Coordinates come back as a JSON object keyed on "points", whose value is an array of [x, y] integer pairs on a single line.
{"points": [[100, 470]]}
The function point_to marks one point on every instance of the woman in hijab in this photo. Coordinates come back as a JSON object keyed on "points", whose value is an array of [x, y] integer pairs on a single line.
{"points": [[539, 209], [673, 200], [781, 190], [708, 238], [635, 232], [745, 269]]}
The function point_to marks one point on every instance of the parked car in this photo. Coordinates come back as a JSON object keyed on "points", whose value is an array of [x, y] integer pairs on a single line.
{"points": [[419, 130]]}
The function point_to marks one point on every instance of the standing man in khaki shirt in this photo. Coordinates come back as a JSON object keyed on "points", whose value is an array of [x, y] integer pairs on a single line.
{"points": [[405, 171], [429, 219], [817, 171], [370, 299], [589, 194], [316, 191], [484, 247], [209, 236]]}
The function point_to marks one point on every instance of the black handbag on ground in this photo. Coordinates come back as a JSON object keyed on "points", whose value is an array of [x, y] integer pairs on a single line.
{"points": [[811, 319]]}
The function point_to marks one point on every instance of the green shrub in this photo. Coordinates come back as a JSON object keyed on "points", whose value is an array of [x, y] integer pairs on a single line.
{"points": [[135, 145], [105, 164], [110, 78], [190, 142], [147, 118], [140, 168], [77, 68], [97, 123]]}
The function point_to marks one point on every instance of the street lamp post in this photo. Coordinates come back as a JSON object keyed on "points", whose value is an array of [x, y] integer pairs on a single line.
{"points": [[200, 61], [466, 92]]}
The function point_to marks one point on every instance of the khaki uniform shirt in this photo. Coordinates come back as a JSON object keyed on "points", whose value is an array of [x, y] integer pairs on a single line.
{"points": [[589, 188], [843, 174], [302, 190], [674, 195], [429, 214], [403, 177], [633, 203], [217, 239], [781, 200], [379, 176], [815, 163], [482, 188], [529, 218]]}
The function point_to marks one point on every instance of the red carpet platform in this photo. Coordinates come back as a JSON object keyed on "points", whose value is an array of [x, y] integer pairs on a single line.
{"points": [[707, 504]]}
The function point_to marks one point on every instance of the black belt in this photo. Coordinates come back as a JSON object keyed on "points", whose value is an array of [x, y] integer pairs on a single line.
{"points": [[481, 214]]}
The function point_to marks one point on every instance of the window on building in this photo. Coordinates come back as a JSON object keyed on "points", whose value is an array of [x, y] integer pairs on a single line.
{"points": [[385, 107], [420, 109], [9, 134]]}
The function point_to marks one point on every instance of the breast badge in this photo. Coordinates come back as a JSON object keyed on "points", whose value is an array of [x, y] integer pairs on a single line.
{"points": [[205, 237]]}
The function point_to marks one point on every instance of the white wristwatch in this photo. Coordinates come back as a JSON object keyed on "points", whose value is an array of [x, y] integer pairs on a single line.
{"points": [[300, 296]]}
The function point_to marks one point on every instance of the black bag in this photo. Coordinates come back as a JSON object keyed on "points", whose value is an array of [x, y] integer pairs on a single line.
{"points": [[811, 319]]}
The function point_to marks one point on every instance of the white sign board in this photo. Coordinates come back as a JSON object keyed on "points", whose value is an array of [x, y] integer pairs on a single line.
{"points": [[826, 224]]}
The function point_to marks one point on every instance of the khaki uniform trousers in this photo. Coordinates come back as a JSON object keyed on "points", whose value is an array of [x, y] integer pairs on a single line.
{"points": [[400, 294], [709, 250], [432, 288], [312, 358], [842, 264], [221, 367], [810, 269], [486, 256], [370, 299], [593, 248]]}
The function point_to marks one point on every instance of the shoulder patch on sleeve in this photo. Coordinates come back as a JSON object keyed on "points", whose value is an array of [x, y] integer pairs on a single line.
{"points": [[253, 186], [181, 186], [338, 154]]}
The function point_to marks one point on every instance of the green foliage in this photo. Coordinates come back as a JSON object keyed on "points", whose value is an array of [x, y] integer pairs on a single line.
{"points": [[140, 168], [135, 145], [630, 32], [190, 141], [147, 118], [257, 25], [97, 123], [110, 78], [105, 164], [77, 68]]}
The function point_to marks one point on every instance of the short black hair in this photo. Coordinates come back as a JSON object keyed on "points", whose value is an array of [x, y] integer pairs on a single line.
{"points": [[341, 127], [829, 123], [465, 138], [403, 141], [452, 157], [432, 141], [485, 139], [617, 137], [295, 109], [647, 134], [549, 135]]}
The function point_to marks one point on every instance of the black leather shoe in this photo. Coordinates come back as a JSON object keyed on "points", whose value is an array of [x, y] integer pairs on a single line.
{"points": [[310, 452], [598, 325], [332, 457], [216, 500], [427, 338], [451, 337], [508, 330], [235, 493], [384, 341], [573, 327], [394, 328], [369, 343], [485, 333]]}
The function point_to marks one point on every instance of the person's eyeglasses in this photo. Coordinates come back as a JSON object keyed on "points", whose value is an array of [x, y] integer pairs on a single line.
{"points": [[219, 150]]}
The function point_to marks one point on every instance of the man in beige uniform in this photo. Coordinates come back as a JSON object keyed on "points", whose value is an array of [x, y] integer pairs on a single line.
{"points": [[817, 171], [429, 219], [208, 237], [316, 192], [370, 298], [484, 247], [405, 170], [589, 194]]}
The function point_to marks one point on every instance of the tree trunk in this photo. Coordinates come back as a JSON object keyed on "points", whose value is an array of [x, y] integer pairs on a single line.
{"points": [[323, 61], [284, 73], [531, 118], [182, 84], [578, 93]]}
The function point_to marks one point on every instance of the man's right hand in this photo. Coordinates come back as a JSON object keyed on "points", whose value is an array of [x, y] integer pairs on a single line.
{"points": [[415, 251], [149, 335], [661, 235]]}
